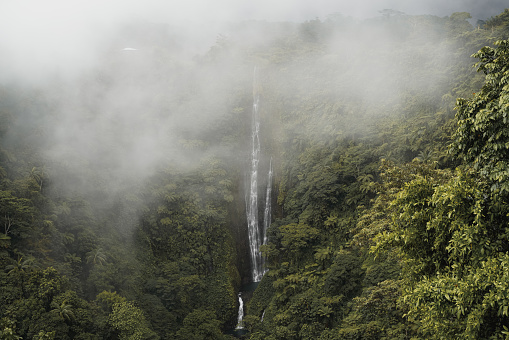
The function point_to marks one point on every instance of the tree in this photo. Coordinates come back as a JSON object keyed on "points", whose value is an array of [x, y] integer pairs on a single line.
{"points": [[297, 239], [374, 315], [458, 24], [345, 275], [130, 322], [451, 232], [200, 324], [387, 13], [64, 311], [15, 214], [20, 269], [482, 137], [7, 330], [108, 299], [96, 256]]}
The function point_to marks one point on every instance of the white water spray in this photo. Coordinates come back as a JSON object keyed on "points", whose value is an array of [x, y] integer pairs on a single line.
{"points": [[240, 316], [255, 239], [268, 204]]}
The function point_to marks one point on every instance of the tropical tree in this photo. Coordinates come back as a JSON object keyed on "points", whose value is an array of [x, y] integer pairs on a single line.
{"points": [[15, 214], [96, 256], [64, 310], [20, 269], [200, 325], [482, 137], [130, 322], [8, 330]]}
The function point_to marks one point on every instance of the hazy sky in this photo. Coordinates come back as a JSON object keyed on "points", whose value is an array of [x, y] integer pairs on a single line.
{"points": [[59, 35]]}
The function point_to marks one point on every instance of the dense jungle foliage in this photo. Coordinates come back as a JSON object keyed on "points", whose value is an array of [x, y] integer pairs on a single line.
{"points": [[122, 195]]}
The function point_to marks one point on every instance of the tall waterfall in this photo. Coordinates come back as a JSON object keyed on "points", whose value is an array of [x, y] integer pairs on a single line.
{"points": [[257, 237]]}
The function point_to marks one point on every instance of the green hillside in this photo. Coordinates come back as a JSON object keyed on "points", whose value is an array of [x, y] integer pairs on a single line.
{"points": [[123, 189]]}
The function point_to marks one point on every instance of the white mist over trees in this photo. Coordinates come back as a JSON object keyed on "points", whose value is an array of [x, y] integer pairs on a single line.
{"points": [[41, 39]]}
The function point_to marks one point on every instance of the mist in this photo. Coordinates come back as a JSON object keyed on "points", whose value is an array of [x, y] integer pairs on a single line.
{"points": [[133, 87], [41, 39]]}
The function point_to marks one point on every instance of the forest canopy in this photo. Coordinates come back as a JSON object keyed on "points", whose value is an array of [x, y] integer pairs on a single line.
{"points": [[123, 189]]}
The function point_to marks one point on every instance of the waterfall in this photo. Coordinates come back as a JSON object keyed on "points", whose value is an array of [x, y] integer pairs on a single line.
{"points": [[252, 207], [257, 233], [241, 314], [268, 204]]}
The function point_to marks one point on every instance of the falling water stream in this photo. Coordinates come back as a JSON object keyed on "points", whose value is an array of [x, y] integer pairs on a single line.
{"points": [[255, 237], [240, 316], [268, 204], [257, 231]]}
